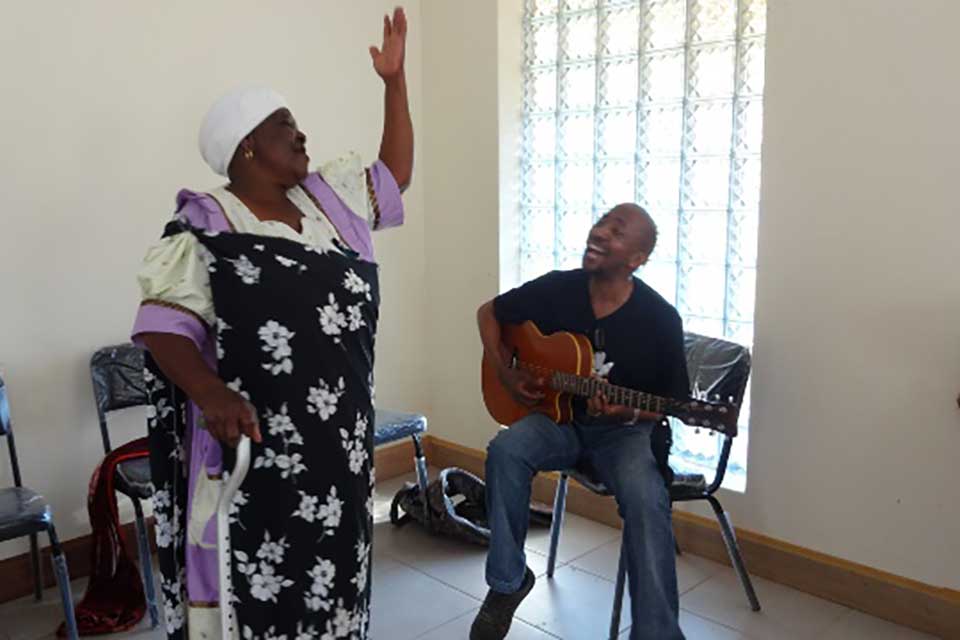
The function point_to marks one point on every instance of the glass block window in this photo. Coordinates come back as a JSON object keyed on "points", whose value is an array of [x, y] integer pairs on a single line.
{"points": [[658, 102]]}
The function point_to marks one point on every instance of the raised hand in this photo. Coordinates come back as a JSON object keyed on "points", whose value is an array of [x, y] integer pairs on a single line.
{"points": [[388, 59]]}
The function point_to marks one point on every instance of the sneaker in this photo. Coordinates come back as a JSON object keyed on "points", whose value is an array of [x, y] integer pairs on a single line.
{"points": [[494, 618]]}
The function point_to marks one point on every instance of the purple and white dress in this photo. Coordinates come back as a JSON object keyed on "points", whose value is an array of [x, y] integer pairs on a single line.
{"points": [[301, 523]]}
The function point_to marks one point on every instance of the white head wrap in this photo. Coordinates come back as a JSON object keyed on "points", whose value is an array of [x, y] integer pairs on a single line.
{"points": [[231, 119]]}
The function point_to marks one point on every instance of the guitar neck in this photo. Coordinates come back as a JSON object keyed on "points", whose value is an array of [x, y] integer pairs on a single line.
{"points": [[589, 387]]}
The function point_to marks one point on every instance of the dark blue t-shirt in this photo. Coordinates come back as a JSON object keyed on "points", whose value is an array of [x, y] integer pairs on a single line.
{"points": [[639, 346]]}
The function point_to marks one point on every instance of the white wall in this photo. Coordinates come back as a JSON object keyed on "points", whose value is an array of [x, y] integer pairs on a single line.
{"points": [[101, 105], [855, 432], [462, 202]]}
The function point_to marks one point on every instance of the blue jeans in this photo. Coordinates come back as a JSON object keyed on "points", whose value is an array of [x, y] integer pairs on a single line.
{"points": [[623, 461]]}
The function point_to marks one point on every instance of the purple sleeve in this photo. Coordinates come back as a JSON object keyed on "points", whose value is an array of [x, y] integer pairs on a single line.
{"points": [[155, 318], [202, 212], [384, 197]]}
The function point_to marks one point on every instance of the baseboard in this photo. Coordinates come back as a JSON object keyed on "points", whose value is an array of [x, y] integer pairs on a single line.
{"points": [[906, 602], [16, 573], [393, 460]]}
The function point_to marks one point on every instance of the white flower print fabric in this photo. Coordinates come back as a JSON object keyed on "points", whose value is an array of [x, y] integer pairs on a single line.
{"points": [[295, 332]]}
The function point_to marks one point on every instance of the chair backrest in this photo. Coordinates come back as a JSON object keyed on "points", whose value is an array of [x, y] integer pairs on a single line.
{"points": [[117, 374], [718, 368], [6, 429]]}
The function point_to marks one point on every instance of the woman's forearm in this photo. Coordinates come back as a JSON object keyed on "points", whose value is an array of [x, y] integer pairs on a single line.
{"points": [[180, 360], [396, 145]]}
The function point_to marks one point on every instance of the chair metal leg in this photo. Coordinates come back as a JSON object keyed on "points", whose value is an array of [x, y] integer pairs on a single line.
{"points": [[559, 505], [618, 592], [146, 565], [676, 543], [730, 540], [423, 476], [63, 583], [37, 569]]}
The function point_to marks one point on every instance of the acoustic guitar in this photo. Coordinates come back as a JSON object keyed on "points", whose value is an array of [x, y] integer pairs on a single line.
{"points": [[564, 361]]}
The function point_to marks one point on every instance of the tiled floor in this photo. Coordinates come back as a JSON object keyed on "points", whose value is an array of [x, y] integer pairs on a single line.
{"points": [[430, 588]]}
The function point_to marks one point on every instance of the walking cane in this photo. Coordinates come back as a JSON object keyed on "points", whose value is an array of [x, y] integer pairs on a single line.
{"points": [[227, 617]]}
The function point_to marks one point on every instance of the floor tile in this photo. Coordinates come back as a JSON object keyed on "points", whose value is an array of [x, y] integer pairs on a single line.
{"points": [[573, 605], [786, 614], [143, 632], [859, 626], [39, 621], [26, 619], [577, 537], [406, 603], [459, 629], [696, 628], [691, 569]]}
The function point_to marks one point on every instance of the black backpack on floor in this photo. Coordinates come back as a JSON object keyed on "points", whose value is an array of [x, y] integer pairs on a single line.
{"points": [[456, 506]]}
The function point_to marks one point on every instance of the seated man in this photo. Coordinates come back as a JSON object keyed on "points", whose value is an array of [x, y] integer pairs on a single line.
{"points": [[638, 341]]}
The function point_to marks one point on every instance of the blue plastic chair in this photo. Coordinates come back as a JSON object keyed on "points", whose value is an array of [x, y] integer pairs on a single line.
{"points": [[391, 426], [24, 512]]}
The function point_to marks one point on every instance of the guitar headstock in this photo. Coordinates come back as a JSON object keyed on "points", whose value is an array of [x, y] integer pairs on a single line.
{"points": [[709, 414]]}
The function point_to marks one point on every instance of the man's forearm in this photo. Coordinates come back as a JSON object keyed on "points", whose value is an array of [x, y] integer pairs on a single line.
{"points": [[490, 335], [396, 146]]}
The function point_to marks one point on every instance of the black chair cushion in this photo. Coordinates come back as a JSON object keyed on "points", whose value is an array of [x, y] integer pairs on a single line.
{"points": [[394, 425], [135, 478], [585, 474], [688, 485], [685, 485], [22, 512], [584, 478]]}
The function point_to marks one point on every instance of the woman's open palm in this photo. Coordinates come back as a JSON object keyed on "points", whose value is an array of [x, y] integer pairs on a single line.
{"points": [[388, 59]]}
